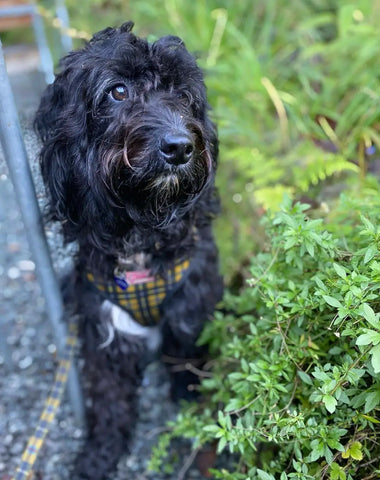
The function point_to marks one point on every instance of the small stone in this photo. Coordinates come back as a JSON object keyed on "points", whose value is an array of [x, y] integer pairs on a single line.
{"points": [[77, 433], [8, 439], [13, 273], [26, 265], [131, 462], [52, 348], [8, 293], [16, 426], [30, 332], [25, 362], [25, 341], [17, 448]]}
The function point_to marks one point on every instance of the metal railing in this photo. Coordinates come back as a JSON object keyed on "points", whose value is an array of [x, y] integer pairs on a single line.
{"points": [[17, 161], [29, 9]]}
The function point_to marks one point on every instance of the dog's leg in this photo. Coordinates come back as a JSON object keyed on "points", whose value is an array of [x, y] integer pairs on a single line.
{"points": [[112, 375], [183, 359], [185, 315]]}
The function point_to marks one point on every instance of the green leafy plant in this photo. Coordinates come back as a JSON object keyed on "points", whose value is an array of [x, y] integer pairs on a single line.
{"points": [[294, 390]]}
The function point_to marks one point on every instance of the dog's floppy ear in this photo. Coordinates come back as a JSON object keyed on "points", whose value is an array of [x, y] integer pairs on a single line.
{"points": [[61, 124]]}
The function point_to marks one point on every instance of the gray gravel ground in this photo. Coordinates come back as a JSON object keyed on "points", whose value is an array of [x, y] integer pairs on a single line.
{"points": [[27, 350]]}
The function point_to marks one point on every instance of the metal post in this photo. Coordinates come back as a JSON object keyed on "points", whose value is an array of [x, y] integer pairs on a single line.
{"points": [[16, 157], [63, 15], [47, 64]]}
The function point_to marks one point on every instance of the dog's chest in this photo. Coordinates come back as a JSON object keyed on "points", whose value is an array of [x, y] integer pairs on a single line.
{"points": [[121, 321], [137, 262], [134, 300]]}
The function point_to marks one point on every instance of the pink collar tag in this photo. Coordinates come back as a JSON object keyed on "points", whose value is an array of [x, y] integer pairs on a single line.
{"points": [[139, 276]]}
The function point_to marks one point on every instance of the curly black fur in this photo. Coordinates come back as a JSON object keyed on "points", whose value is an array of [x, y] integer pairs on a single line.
{"points": [[128, 158]]}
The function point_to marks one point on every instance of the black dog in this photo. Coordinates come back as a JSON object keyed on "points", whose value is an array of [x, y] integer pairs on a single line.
{"points": [[128, 158]]}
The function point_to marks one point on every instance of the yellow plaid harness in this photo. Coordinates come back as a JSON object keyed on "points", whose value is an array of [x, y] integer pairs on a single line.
{"points": [[140, 293]]}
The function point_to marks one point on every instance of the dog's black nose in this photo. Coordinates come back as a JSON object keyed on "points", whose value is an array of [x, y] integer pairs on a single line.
{"points": [[176, 148]]}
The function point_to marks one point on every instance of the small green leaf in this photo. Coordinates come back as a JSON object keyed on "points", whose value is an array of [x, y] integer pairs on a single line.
{"points": [[328, 455], [355, 374], [370, 253], [332, 301], [372, 401], [340, 270], [221, 419], [375, 360], [333, 443], [222, 443], [310, 248], [317, 452], [330, 403], [370, 226], [370, 315], [320, 284], [356, 451], [346, 454], [371, 419], [264, 475], [320, 375], [244, 365], [290, 242], [370, 337], [305, 377], [233, 404], [337, 472], [212, 429]]}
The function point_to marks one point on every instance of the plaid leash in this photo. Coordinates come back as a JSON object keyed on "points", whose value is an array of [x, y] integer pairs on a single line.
{"points": [[140, 293], [52, 403]]}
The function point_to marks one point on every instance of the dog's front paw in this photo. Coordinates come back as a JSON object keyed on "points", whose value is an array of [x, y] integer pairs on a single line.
{"points": [[184, 386]]}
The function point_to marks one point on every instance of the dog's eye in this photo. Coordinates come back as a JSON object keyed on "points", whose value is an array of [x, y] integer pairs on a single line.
{"points": [[185, 99], [119, 93]]}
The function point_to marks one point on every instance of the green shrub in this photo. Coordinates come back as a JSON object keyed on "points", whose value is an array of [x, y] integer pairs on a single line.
{"points": [[294, 387]]}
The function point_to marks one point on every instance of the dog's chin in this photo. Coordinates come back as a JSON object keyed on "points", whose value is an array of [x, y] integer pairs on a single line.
{"points": [[170, 195], [166, 198], [178, 184], [166, 186]]}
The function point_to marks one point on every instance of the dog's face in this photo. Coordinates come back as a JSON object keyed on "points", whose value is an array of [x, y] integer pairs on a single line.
{"points": [[126, 134]]}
